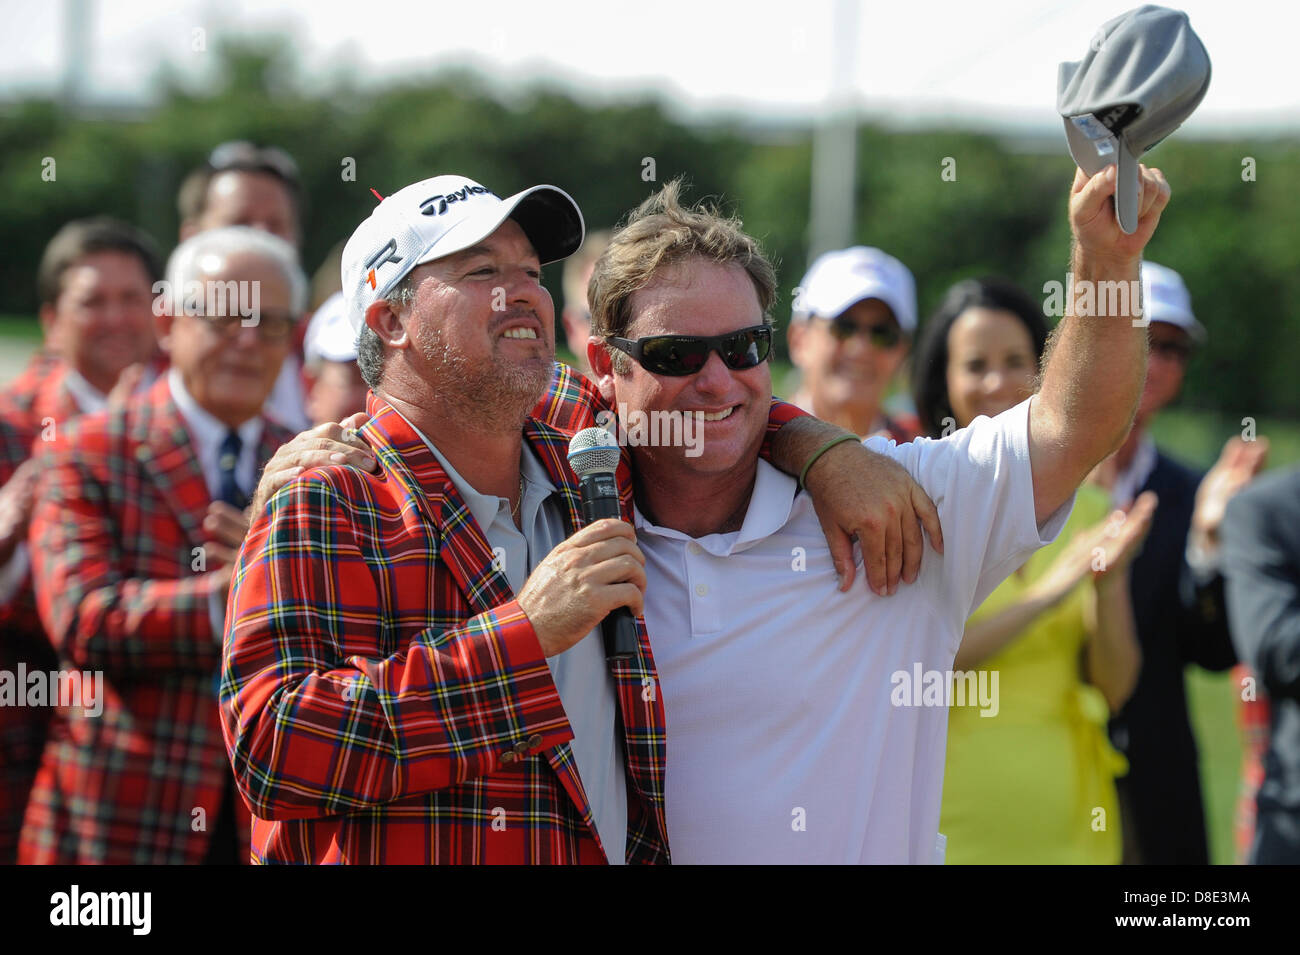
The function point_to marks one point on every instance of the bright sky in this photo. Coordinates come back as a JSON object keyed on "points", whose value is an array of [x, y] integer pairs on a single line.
{"points": [[915, 60]]}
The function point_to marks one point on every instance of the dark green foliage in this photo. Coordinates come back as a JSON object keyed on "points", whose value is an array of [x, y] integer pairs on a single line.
{"points": [[1235, 242]]}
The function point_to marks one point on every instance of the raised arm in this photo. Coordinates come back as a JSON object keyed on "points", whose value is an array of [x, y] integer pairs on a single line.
{"points": [[1095, 363]]}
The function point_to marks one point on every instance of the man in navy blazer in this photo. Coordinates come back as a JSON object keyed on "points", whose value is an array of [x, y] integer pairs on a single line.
{"points": [[1177, 593]]}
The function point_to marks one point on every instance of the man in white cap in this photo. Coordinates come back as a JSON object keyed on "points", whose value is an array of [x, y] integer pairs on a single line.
{"points": [[1177, 591], [335, 387], [412, 671], [853, 320]]}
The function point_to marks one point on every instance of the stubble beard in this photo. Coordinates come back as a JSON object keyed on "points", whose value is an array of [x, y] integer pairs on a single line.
{"points": [[490, 398]]}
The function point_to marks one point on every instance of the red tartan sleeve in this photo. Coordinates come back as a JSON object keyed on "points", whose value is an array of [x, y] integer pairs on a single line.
{"points": [[314, 724], [95, 615], [778, 416]]}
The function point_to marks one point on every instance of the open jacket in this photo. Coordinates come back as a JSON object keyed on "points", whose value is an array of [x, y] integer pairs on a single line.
{"points": [[385, 699]]}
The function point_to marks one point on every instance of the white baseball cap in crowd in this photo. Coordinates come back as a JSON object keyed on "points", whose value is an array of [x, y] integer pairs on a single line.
{"points": [[839, 280], [437, 217], [1165, 299], [330, 336]]}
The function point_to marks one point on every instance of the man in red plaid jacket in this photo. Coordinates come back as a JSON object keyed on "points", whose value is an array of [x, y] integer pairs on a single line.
{"points": [[94, 283], [130, 582], [386, 694], [412, 669]]}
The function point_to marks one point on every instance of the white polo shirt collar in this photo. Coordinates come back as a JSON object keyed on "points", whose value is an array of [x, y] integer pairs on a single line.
{"points": [[768, 511]]}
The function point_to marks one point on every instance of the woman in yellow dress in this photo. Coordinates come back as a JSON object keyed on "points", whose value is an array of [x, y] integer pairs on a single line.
{"points": [[1034, 780]]}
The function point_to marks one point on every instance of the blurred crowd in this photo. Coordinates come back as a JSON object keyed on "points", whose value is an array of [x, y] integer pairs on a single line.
{"points": [[133, 441]]}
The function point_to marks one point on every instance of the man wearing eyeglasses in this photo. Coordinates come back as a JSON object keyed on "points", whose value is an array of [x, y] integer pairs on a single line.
{"points": [[1177, 587], [807, 724], [131, 564], [853, 319]]}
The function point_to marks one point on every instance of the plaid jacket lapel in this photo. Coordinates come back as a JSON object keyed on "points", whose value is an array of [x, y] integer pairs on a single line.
{"points": [[462, 546], [165, 450]]}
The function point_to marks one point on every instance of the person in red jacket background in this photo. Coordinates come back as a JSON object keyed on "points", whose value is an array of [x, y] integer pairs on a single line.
{"points": [[130, 584]]}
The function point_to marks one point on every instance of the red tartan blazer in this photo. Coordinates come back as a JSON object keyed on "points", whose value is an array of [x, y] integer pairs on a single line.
{"points": [[113, 538], [35, 398], [385, 699], [21, 391], [34, 409], [22, 641]]}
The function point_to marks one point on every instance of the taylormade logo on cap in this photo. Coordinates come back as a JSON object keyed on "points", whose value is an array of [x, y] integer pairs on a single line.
{"points": [[441, 216], [437, 205]]}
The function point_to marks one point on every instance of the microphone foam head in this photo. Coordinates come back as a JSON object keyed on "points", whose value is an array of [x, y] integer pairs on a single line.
{"points": [[593, 451]]}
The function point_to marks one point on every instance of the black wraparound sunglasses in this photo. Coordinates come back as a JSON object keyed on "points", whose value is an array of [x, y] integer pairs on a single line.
{"points": [[884, 335], [679, 355]]}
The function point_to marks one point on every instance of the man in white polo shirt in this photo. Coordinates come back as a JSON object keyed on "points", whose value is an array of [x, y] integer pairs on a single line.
{"points": [[803, 722]]}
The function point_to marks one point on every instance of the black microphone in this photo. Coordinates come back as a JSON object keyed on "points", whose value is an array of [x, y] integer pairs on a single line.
{"points": [[594, 456]]}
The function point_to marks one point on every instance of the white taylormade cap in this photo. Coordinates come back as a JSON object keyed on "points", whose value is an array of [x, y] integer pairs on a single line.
{"points": [[443, 215], [839, 280], [1165, 299]]}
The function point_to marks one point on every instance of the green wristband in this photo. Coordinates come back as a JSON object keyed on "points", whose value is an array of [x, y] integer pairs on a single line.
{"points": [[822, 450]]}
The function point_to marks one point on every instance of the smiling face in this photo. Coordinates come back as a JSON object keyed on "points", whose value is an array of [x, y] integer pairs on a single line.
{"points": [[991, 363], [231, 372], [847, 379], [482, 329], [102, 320], [1170, 348], [697, 297]]}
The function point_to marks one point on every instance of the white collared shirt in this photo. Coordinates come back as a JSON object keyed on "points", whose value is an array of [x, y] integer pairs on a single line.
{"points": [[784, 741], [87, 397], [1132, 479], [207, 433], [581, 675]]}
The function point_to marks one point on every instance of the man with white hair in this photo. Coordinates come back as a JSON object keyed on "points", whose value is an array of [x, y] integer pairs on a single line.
{"points": [[133, 540]]}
